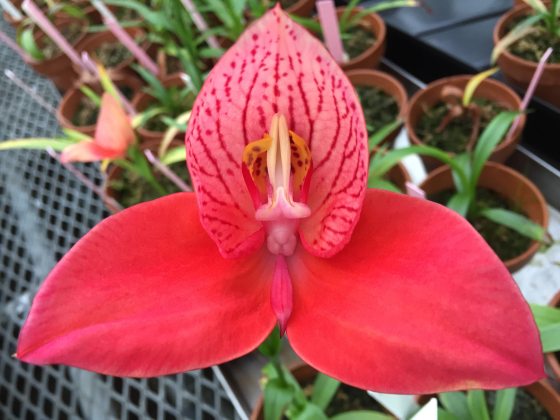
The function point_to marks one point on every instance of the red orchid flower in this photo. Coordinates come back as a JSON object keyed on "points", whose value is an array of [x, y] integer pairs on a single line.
{"points": [[113, 135], [379, 290]]}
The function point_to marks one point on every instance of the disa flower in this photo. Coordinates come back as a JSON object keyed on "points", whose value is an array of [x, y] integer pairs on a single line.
{"points": [[113, 135], [379, 290]]}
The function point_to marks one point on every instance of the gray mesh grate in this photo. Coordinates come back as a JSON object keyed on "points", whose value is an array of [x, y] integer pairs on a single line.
{"points": [[43, 211]]}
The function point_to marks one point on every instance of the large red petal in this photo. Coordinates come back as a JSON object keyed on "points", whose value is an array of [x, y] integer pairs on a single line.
{"points": [[415, 303], [114, 130], [277, 67], [147, 293]]}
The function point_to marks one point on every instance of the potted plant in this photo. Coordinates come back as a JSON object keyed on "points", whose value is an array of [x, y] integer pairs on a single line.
{"points": [[504, 206], [46, 58], [450, 113], [383, 100], [160, 104], [316, 395], [521, 37]]}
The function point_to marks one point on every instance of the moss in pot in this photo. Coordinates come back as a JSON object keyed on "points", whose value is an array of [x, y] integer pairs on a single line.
{"points": [[379, 107]]}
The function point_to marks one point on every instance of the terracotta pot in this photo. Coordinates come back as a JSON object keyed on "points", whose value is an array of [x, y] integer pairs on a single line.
{"points": [[302, 8], [511, 185], [371, 57], [489, 89], [59, 68], [551, 358], [519, 71], [387, 84], [71, 99], [142, 100], [96, 40], [115, 172], [542, 391]]}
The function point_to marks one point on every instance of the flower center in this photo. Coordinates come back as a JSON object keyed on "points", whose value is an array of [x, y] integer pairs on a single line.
{"points": [[277, 170]]}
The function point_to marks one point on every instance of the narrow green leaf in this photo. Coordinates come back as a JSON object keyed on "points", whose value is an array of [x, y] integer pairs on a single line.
{"points": [[362, 415], [28, 43], [74, 135], [94, 97], [382, 133], [446, 415], [174, 155], [324, 390], [545, 315], [477, 405], [488, 141], [272, 345], [277, 397], [456, 404], [310, 412], [516, 222], [37, 144], [550, 338], [505, 401], [462, 183], [460, 203], [383, 184]]}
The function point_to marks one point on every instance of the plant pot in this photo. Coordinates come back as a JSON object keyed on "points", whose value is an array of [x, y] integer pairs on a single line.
{"points": [[489, 89], [69, 103], [143, 100], [387, 84], [371, 57], [97, 40], [302, 8], [115, 172], [552, 358], [304, 374], [519, 71], [59, 68], [509, 184]]}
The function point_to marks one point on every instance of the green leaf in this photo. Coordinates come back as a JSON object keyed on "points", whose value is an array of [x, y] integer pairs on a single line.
{"points": [[516, 222], [382, 133], [324, 390], [362, 415], [550, 338], [446, 415], [462, 183], [74, 135], [456, 404], [545, 315], [460, 203], [277, 397], [174, 155], [505, 401], [27, 42], [477, 405], [383, 184], [488, 141], [310, 412], [37, 144], [93, 97], [273, 344]]}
